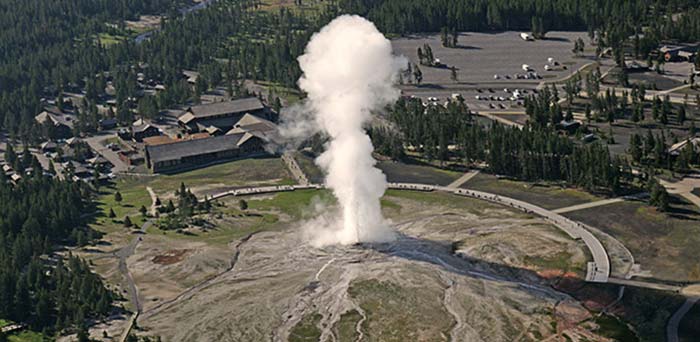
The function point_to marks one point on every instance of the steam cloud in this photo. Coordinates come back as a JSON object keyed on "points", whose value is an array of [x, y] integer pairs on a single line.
{"points": [[349, 70]]}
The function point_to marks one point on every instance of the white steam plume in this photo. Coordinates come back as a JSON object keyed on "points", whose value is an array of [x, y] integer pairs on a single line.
{"points": [[349, 70]]}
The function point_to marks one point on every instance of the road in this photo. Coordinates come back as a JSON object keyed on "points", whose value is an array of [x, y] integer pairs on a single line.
{"points": [[97, 144], [684, 188], [675, 320]]}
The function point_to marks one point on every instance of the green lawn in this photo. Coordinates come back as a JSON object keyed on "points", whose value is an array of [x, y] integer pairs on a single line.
{"points": [[4, 323], [26, 336], [107, 39], [467, 204], [307, 329], [345, 328], [134, 195], [223, 234], [258, 171], [548, 197], [297, 204]]}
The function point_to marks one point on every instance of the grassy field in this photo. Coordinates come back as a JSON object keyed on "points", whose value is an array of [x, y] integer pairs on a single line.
{"points": [[260, 172], [345, 328], [297, 204], [224, 233], [26, 336], [134, 195], [417, 173], [307, 7], [548, 197], [107, 39], [306, 330], [221, 177], [664, 243]]}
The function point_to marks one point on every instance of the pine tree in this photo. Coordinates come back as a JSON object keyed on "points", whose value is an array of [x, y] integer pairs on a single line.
{"points": [[127, 222], [118, 197], [111, 213]]}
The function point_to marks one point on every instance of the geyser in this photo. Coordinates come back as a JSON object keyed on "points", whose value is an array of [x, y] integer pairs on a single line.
{"points": [[349, 70]]}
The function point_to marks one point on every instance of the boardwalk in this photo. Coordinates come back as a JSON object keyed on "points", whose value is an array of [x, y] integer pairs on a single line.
{"points": [[598, 269]]}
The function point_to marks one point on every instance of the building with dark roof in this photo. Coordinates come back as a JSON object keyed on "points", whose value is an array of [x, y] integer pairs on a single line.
{"points": [[141, 132], [188, 154], [221, 116], [61, 125]]}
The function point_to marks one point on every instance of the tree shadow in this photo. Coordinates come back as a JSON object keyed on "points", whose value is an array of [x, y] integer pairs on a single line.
{"points": [[466, 47], [557, 39]]}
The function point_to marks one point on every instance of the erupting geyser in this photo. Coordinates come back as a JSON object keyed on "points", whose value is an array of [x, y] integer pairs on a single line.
{"points": [[349, 70]]}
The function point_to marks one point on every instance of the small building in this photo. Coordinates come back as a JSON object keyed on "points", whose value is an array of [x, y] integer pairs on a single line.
{"points": [[48, 146], [191, 76], [107, 124], [676, 148], [131, 157], [61, 125], [678, 53], [99, 162], [138, 133], [73, 142], [222, 115], [569, 126], [255, 125]]}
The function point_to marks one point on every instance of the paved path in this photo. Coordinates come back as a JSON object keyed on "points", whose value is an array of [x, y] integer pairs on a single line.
{"points": [[598, 203], [588, 205], [669, 91], [646, 285], [461, 180], [675, 320]]}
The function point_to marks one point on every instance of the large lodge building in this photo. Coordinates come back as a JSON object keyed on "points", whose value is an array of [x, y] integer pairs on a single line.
{"points": [[216, 132]]}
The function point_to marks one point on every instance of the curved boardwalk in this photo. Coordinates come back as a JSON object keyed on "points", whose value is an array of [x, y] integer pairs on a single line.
{"points": [[598, 269]]}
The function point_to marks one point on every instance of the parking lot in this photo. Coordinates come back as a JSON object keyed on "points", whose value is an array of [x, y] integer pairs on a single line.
{"points": [[489, 63]]}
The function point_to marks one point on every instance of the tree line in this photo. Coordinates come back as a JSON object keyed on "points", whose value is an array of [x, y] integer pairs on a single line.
{"points": [[37, 286], [533, 153]]}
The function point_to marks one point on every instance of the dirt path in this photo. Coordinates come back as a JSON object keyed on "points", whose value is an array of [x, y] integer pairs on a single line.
{"points": [[598, 203], [154, 197], [123, 254], [294, 168]]}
